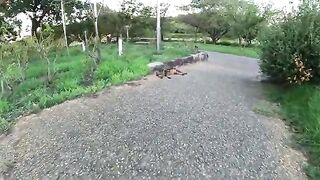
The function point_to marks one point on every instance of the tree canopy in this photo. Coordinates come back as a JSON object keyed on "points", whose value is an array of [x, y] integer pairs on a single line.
{"points": [[40, 11]]}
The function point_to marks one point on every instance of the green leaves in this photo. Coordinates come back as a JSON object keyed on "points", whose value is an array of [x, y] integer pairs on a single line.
{"points": [[297, 35], [45, 10]]}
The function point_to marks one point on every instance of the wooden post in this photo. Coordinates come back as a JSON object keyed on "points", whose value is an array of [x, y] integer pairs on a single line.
{"points": [[158, 26], [85, 39], [64, 25], [127, 28], [95, 9], [120, 46]]}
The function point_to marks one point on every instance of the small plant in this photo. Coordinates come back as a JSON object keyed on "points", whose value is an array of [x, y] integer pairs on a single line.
{"points": [[4, 125], [45, 46], [23, 50], [93, 53]]}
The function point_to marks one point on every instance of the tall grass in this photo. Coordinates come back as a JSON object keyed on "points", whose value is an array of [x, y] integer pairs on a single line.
{"points": [[300, 106]]}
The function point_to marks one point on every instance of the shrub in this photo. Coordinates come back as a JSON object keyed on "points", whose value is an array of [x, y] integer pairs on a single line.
{"points": [[291, 49]]}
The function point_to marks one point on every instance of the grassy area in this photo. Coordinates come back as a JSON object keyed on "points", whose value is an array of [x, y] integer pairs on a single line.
{"points": [[240, 51], [300, 107], [73, 80]]}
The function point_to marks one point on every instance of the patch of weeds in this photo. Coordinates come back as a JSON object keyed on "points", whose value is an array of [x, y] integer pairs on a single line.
{"points": [[267, 108], [36, 70], [67, 84], [4, 125], [28, 86], [116, 79], [110, 68], [4, 106], [300, 106]]}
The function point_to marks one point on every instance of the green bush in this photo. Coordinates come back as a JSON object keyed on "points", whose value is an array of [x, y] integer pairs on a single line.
{"points": [[291, 49]]}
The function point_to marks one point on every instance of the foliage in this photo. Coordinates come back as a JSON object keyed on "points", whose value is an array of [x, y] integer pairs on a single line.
{"points": [[240, 18], [247, 20], [46, 11], [213, 17], [291, 49], [211, 23], [45, 46], [7, 31], [300, 106]]}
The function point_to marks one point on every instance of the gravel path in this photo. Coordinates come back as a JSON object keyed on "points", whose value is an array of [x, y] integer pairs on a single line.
{"points": [[201, 126]]}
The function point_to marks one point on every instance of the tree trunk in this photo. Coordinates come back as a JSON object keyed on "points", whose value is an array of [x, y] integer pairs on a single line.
{"points": [[240, 41], [196, 35], [35, 26], [214, 39]]}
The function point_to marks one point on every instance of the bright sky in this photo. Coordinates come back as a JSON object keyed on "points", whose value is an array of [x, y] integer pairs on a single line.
{"points": [[115, 4]]}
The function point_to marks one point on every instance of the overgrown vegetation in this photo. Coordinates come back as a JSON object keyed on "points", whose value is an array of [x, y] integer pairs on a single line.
{"points": [[50, 77], [291, 56], [300, 108]]}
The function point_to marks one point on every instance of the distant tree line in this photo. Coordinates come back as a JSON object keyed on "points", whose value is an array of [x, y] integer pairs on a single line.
{"points": [[238, 19]]}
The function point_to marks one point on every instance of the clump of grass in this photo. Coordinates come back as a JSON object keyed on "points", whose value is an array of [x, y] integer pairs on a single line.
{"points": [[300, 106], [4, 125], [4, 106]]}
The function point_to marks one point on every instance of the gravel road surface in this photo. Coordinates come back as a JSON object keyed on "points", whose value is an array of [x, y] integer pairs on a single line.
{"points": [[201, 126]]}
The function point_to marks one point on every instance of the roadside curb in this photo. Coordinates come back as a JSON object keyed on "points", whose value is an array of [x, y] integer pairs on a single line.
{"points": [[194, 58]]}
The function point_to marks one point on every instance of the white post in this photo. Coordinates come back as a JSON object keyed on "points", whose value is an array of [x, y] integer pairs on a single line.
{"points": [[127, 28], [95, 9], [85, 42], [86, 38], [158, 26], [120, 46], [83, 46], [64, 25]]}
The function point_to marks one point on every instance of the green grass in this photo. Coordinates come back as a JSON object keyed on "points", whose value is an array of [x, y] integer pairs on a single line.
{"points": [[240, 51], [33, 94], [300, 106]]}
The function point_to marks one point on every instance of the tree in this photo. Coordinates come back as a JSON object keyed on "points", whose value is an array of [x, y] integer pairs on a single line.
{"points": [[213, 17], [164, 7], [213, 24], [7, 32], [45, 10], [247, 20]]}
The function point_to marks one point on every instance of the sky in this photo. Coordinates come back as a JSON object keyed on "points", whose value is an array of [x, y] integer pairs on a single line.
{"points": [[173, 11]]}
